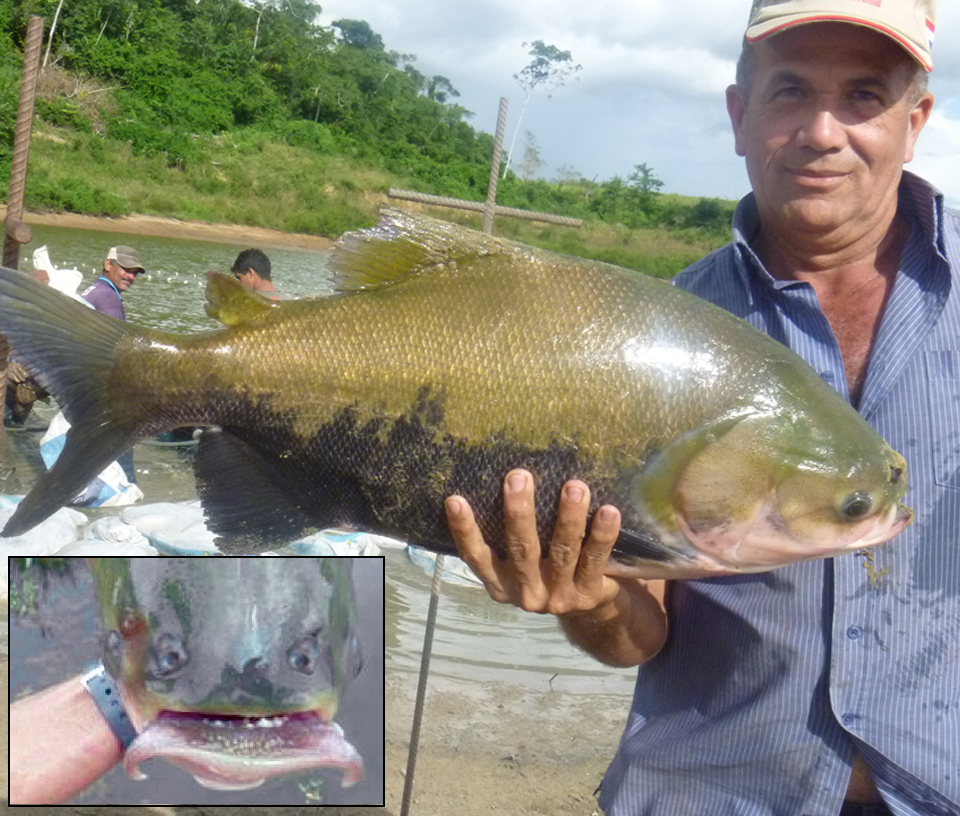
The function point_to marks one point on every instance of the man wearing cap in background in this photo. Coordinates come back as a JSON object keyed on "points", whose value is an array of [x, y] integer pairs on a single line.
{"points": [[828, 686], [120, 270]]}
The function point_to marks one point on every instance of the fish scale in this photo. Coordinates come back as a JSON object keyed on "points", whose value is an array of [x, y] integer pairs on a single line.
{"points": [[449, 358]]}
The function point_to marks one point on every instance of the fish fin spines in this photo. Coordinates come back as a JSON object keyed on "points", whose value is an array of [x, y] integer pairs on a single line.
{"points": [[242, 494], [232, 303], [404, 244]]}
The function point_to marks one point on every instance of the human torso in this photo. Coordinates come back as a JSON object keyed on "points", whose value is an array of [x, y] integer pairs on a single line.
{"points": [[771, 686], [104, 297]]}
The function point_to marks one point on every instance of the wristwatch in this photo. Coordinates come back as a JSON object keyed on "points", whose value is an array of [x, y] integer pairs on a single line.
{"points": [[106, 695]]}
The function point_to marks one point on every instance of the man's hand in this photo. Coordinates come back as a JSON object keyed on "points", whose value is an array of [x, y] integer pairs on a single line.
{"points": [[570, 579], [620, 621]]}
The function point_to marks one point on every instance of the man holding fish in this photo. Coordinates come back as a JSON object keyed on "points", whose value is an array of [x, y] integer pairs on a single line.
{"points": [[829, 686]]}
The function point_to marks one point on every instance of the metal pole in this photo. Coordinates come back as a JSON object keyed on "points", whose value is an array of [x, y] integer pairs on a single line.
{"points": [[491, 205], [422, 685], [13, 224]]}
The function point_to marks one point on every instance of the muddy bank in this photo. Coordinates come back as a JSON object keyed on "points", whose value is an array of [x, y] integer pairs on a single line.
{"points": [[174, 228]]}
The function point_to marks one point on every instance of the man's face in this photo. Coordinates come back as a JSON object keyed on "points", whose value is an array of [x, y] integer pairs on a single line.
{"points": [[121, 278], [247, 277], [827, 127]]}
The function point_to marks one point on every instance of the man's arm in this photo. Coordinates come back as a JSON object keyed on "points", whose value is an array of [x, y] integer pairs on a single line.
{"points": [[59, 744], [621, 622]]}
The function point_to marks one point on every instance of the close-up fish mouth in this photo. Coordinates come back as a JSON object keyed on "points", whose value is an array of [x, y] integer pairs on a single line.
{"points": [[231, 752]]}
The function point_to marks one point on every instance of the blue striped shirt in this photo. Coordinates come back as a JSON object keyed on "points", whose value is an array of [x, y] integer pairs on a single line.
{"points": [[769, 683]]}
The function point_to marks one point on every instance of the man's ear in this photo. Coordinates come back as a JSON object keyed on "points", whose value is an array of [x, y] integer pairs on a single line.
{"points": [[736, 108], [918, 118]]}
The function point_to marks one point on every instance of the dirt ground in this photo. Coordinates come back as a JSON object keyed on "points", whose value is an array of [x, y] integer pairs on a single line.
{"points": [[485, 749], [174, 228]]}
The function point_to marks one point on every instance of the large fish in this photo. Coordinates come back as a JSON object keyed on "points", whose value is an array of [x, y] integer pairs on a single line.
{"points": [[232, 669], [449, 358]]}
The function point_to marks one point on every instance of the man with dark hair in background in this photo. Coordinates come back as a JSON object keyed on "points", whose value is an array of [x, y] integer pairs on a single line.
{"points": [[252, 269]]}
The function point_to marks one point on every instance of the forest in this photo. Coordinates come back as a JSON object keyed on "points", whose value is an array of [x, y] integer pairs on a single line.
{"points": [[185, 107]]}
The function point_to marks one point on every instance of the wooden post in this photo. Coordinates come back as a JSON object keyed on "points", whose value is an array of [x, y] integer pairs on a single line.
{"points": [[16, 231], [489, 208], [476, 206], [491, 205]]}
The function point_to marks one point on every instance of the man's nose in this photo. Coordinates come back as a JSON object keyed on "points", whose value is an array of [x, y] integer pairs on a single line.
{"points": [[821, 131]]}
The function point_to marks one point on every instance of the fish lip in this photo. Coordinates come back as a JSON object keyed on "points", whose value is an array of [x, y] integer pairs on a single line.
{"points": [[236, 752]]}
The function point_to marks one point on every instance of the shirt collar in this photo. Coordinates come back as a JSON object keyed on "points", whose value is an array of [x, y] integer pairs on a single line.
{"points": [[112, 286], [919, 202]]}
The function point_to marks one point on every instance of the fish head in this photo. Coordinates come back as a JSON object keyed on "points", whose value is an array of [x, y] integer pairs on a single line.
{"points": [[751, 493], [232, 668]]}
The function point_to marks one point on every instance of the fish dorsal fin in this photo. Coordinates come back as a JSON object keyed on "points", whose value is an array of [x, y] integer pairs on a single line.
{"points": [[230, 302], [404, 244]]}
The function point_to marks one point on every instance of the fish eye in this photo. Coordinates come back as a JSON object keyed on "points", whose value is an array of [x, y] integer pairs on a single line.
{"points": [[304, 654], [169, 654], [857, 505]]}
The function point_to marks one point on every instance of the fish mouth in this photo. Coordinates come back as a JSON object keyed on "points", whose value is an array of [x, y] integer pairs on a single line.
{"points": [[227, 752]]}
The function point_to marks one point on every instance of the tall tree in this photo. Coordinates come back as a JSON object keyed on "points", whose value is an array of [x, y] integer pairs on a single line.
{"points": [[550, 68], [531, 163]]}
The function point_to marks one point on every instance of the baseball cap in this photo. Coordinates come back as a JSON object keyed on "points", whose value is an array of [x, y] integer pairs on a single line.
{"points": [[126, 256], [910, 23]]}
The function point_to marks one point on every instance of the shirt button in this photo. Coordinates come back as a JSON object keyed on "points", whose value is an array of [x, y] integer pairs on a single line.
{"points": [[854, 632], [827, 375], [849, 719]]}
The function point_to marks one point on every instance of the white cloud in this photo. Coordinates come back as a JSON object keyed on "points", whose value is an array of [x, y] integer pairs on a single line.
{"points": [[651, 88]]}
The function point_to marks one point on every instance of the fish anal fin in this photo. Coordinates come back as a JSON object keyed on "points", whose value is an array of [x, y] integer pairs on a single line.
{"points": [[243, 495]]}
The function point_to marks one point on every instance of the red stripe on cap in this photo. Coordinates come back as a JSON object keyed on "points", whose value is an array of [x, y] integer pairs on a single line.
{"points": [[839, 18], [930, 24]]}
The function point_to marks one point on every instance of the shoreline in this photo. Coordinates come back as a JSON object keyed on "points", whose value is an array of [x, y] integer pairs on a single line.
{"points": [[162, 227]]}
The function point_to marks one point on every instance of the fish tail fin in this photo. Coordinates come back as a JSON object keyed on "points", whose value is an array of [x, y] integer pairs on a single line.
{"points": [[70, 349]]}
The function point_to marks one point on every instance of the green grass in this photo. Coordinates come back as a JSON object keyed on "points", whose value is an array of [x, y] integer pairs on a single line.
{"points": [[250, 178]]}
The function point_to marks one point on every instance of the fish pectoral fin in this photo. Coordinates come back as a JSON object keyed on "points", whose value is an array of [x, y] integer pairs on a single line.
{"points": [[243, 492], [404, 244], [230, 302], [632, 545]]}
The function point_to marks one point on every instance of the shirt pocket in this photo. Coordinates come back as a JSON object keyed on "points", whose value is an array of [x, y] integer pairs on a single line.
{"points": [[943, 384]]}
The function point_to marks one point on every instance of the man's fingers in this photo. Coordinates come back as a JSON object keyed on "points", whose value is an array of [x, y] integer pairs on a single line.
{"points": [[520, 518], [568, 532], [471, 546], [598, 545]]}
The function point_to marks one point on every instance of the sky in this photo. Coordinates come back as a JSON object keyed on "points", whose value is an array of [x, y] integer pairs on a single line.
{"points": [[651, 89]]}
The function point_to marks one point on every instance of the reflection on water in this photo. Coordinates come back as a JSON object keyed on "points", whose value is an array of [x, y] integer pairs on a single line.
{"points": [[477, 640], [171, 294]]}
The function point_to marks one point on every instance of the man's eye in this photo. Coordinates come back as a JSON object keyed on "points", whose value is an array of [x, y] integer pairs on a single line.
{"points": [[869, 97], [789, 92]]}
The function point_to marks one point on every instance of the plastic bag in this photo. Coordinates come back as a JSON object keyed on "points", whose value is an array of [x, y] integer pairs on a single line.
{"points": [[110, 489]]}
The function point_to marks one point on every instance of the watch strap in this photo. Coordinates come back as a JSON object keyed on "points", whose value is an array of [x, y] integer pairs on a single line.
{"points": [[106, 695]]}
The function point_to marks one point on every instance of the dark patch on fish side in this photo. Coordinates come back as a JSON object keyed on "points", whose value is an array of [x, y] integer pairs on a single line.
{"points": [[390, 475]]}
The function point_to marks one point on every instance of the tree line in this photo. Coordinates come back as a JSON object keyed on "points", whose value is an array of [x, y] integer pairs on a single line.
{"points": [[176, 69]]}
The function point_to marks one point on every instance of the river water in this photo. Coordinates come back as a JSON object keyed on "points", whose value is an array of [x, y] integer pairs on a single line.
{"points": [[483, 651]]}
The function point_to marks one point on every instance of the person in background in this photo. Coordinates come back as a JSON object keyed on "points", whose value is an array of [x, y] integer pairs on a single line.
{"points": [[120, 270], [826, 687], [252, 269]]}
